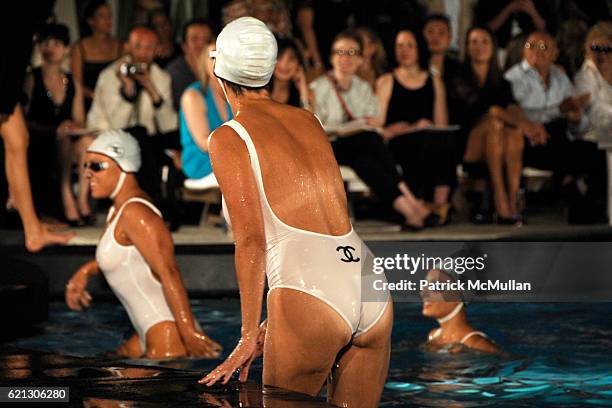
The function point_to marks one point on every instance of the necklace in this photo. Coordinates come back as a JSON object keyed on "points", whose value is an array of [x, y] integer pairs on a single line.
{"points": [[57, 107]]}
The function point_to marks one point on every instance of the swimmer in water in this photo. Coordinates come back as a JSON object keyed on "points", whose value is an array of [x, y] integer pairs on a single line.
{"points": [[136, 256], [455, 332], [286, 201]]}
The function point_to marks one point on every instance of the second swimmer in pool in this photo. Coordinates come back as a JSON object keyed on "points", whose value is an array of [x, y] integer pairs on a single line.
{"points": [[455, 332], [136, 255]]}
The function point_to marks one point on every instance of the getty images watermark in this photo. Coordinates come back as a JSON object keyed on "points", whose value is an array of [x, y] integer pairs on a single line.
{"points": [[454, 266]]}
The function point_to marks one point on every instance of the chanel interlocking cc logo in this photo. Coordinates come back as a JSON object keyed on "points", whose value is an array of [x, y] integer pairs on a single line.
{"points": [[116, 150], [348, 254]]}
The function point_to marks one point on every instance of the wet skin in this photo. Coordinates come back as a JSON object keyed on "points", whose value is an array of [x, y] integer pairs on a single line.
{"points": [[437, 305], [304, 188], [141, 227]]}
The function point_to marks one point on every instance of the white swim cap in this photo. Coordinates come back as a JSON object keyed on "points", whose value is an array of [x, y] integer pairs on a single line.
{"points": [[120, 146], [246, 53]]}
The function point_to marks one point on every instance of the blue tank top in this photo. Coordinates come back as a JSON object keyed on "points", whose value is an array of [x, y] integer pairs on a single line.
{"points": [[196, 163]]}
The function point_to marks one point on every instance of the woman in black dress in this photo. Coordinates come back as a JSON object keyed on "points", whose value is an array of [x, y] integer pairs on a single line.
{"points": [[54, 113], [492, 121], [96, 50], [412, 100]]}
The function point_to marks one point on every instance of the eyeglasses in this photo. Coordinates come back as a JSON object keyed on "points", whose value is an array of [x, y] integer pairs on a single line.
{"points": [[351, 52], [540, 46], [601, 49], [96, 166]]}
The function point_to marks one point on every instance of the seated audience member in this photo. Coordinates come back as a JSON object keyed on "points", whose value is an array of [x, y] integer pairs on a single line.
{"points": [[411, 100], [183, 70], [135, 91], [54, 110], [459, 16], [437, 33], [547, 96], [595, 78], [168, 50], [96, 51], [374, 56], [136, 256], [341, 97], [492, 122], [288, 84], [203, 109]]}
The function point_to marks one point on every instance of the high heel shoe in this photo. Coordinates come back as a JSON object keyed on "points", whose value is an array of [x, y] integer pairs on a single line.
{"points": [[432, 220], [89, 219], [441, 211], [75, 223]]}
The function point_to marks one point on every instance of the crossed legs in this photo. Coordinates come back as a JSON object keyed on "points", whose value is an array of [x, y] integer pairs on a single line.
{"points": [[501, 148]]}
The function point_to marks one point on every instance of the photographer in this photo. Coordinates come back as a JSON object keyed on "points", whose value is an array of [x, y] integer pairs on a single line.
{"points": [[134, 92]]}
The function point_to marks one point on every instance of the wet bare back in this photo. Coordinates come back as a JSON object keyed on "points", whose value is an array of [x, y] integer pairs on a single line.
{"points": [[299, 170]]}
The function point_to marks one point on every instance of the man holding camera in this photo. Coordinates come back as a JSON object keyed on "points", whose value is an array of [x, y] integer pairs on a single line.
{"points": [[134, 91], [135, 94]]}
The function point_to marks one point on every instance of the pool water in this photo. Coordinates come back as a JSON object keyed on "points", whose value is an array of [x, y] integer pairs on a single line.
{"points": [[558, 354]]}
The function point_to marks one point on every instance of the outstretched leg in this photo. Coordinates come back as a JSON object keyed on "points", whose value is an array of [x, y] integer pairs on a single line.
{"points": [[361, 372], [16, 139]]}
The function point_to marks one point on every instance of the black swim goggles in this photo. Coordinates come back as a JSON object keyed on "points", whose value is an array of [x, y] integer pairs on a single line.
{"points": [[96, 166]]}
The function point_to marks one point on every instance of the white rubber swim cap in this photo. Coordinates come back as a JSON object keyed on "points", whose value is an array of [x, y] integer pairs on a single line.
{"points": [[120, 146], [246, 53]]}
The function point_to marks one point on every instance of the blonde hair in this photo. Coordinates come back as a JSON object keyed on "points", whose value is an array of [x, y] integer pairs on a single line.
{"points": [[603, 29]]}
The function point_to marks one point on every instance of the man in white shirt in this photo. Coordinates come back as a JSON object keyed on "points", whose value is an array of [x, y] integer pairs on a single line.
{"points": [[141, 97], [135, 94], [547, 96]]}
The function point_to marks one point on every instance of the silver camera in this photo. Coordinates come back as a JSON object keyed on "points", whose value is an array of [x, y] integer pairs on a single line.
{"points": [[131, 69]]}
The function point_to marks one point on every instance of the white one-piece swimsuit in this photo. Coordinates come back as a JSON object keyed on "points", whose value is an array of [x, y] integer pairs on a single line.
{"points": [[328, 267], [131, 278]]}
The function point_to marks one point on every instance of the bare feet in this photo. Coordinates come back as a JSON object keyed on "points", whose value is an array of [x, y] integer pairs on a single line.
{"points": [[34, 242]]}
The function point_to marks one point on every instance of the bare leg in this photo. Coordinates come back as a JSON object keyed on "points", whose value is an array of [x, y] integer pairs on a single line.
{"points": [[299, 355], [64, 147], [369, 354], [402, 206], [131, 348], [513, 156], [164, 341], [441, 194], [494, 151], [474, 151], [419, 208], [16, 139], [81, 148]]}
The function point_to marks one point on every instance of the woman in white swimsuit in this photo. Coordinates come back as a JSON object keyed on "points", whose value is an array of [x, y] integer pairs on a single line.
{"points": [[455, 332], [136, 256], [287, 205]]}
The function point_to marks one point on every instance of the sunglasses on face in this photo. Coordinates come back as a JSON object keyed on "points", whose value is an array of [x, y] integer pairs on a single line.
{"points": [[351, 52], [96, 166], [601, 49]]}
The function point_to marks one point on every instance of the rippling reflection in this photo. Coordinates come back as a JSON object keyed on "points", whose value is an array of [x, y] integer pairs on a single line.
{"points": [[559, 356]]}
